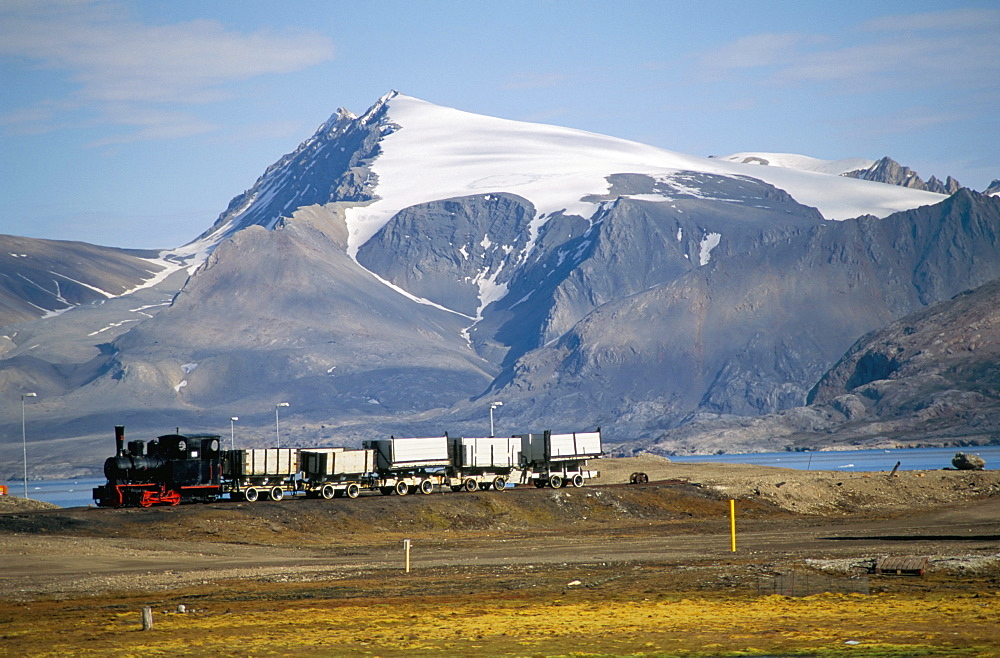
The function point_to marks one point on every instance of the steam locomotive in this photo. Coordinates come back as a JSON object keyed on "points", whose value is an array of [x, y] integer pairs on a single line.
{"points": [[176, 468], [171, 469]]}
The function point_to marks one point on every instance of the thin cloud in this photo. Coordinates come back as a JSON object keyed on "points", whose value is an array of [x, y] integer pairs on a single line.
{"points": [[957, 19], [534, 81], [126, 69], [931, 50], [759, 50]]}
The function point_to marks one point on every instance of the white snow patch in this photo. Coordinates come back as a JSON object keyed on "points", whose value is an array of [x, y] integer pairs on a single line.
{"points": [[708, 243], [113, 325], [419, 300], [183, 383], [188, 368], [85, 285], [680, 233]]}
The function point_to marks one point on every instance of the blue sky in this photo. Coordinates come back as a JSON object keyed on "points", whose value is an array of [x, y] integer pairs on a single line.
{"points": [[133, 123]]}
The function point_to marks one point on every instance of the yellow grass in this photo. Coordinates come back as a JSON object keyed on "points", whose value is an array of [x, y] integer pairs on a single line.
{"points": [[580, 623]]}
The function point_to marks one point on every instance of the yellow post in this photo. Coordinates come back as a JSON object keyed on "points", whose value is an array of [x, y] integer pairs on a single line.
{"points": [[732, 522]]}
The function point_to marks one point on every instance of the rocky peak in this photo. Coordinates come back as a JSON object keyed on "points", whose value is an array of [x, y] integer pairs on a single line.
{"points": [[891, 172]]}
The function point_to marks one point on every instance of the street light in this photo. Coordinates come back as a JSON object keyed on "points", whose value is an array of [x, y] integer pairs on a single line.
{"points": [[24, 440], [232, 430], [277, 435], [493, 405]]}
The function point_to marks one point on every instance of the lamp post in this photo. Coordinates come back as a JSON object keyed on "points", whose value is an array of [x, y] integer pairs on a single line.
{"points": [[232, 430], [493, 405], [24, 440], [277, 434]]}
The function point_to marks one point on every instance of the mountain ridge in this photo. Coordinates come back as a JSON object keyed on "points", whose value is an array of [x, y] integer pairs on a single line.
{"points": [[401, 269]]}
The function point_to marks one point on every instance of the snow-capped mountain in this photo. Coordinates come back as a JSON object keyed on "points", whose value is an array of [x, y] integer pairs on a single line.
{"points": [[801, 162], [404, 267], [404, 152]]}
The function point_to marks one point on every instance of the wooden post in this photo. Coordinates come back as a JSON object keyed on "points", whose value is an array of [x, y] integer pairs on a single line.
{"points": [[732, 522], [406, 549], [147, 618]]}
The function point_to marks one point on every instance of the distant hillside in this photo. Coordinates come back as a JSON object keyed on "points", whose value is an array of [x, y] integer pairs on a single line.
{"points": [[930, 378], [42, 277]]}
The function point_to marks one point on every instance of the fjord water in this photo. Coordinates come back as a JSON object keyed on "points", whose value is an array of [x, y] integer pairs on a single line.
{"points": [[78, 492], [910, 459]]}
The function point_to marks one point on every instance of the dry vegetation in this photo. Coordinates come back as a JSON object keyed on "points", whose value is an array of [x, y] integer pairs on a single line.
{"points": [[600, 571]]}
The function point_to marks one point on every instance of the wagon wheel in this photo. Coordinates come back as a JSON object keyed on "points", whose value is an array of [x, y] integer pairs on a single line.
{"points": [[385, 491], [499, 483], [277, 493], [540, 484], [251, 495], [577, 480], [402, 488], [555, 481], [328, 491], [426, 487], [641, 478], [352, 490], [470, 484]]}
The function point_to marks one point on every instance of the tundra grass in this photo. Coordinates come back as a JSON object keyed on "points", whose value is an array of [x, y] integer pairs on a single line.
{"points": [[338, 619]]}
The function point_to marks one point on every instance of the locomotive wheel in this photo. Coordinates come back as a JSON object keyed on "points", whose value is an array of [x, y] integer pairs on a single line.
{"points": [[499, 483], [470, 485], [540, 484], [251, 495], [277, 493], [426, 487], [328, 491], [639, 478], [352, 490], [385, 491], [402, 488], [455, 488], [577, 480], [555, 481]]}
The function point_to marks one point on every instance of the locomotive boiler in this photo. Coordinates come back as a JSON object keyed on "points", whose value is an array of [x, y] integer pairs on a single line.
{"points": [[170, 469]]}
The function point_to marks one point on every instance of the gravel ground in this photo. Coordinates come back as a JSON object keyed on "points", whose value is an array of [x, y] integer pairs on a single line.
{"points": [[787, 518]]}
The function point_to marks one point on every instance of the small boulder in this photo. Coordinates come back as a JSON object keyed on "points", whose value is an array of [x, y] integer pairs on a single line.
{"points": [[965, 462]]}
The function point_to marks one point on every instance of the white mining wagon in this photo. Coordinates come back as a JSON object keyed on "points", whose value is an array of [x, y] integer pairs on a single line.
{"points": [[404, 465], [329, 472], [267, 472], [482, 463], [558, 460]]}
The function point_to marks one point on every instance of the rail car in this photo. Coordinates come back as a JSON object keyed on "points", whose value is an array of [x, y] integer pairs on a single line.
{"points": [[176, 468]]}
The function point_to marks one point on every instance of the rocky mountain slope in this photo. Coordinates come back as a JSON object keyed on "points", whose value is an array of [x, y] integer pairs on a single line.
{"points": [[889, 171], [749, 334], [929, 378], [46, 277], [402, 269]]}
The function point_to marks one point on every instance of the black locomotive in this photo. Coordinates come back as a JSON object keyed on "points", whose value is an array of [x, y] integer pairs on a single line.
{"points": [[169, 470]]}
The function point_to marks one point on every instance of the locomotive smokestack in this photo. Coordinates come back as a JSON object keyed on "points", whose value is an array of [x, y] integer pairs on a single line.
{"points": [[120, 440]]}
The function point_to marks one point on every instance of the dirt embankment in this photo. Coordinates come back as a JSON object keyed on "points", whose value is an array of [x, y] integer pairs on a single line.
{"points": [[815, 492]]}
